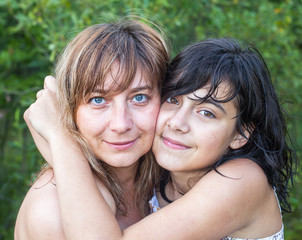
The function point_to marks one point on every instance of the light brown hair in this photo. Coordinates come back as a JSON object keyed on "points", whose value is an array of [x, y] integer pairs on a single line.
{"points": [[84, 65]]}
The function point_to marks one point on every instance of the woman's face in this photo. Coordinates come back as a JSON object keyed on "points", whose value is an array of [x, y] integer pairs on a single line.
{"points": [[120, 128], [191, 136]]}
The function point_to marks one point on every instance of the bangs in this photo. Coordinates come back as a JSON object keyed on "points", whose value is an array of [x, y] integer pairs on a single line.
{"points": [[111, 53], [188, 74], [119, 78]]}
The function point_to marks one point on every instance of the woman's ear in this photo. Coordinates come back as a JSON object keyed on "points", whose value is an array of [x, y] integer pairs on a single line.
{"points": [[240, 139]]}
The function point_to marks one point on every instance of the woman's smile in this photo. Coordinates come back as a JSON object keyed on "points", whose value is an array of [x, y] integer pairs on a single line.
{"points": [[120, 128], [121, 145]]}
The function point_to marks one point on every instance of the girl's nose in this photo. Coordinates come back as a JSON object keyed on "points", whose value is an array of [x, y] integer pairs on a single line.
{"points": [[179, 120]]}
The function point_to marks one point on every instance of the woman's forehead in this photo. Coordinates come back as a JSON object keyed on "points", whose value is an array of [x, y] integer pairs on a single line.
{"points": [[116, 82]]}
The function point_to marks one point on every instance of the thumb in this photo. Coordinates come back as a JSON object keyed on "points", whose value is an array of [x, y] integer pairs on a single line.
{"points": [[50, 83]]}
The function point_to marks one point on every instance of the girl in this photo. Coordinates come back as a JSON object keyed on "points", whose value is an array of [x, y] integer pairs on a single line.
{"points": [[221, 137], [126, 62]]}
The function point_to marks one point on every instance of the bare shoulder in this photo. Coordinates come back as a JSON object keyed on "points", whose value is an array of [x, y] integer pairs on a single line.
{"points": [[241, 189], [240, 170], [238, 197], [240, 176], [39, 215]]}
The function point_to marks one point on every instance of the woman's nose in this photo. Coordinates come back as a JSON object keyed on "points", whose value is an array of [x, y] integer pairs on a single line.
{"points": [[121, 119]]}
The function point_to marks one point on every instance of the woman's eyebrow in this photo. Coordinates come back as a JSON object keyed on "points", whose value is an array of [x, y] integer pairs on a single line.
{"points": [[132, 90], [140, 88], [100, 91]]}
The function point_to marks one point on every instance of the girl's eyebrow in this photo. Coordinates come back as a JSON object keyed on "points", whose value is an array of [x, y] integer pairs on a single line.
{"points": [[217, 104], [210, 101]]}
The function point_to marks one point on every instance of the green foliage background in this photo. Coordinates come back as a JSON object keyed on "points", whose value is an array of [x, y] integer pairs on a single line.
{"points": [[33, 32]]}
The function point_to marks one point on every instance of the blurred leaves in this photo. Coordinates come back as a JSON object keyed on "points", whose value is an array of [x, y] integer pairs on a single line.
{"points": [[34, 32]]}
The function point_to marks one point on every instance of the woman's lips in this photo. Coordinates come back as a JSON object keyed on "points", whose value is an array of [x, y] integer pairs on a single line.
{"points": [[123, 145], [174, 144]]}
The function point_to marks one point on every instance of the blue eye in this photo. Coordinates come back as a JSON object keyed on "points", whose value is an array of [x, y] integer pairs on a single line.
{"points": [[97, 100], [140, 98], [172, 100]]}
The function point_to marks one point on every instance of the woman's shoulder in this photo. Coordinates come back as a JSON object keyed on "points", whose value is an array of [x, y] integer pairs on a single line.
{"points": [[39, 216]]}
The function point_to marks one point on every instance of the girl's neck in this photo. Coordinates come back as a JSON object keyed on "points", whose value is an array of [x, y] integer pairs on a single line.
{"points": [[181, 182]]}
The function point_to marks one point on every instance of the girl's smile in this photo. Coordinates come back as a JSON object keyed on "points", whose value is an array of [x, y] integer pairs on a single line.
{"points": [[174, 144], [187, 128]]}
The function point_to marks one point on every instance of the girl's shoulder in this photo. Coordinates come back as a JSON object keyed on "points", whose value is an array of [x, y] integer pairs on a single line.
{"points": [[241, 188], [242, 170], [238, 178]]}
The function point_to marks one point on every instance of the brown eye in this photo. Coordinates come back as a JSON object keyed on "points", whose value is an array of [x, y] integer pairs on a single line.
{"points": [[172, 100], [207, 114]]}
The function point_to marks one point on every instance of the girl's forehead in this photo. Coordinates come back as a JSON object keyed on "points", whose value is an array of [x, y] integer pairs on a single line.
{"points": [[221, 92]]}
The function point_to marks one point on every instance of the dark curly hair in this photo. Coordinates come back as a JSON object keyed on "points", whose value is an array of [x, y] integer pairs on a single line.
{"points": [[216, 60]]}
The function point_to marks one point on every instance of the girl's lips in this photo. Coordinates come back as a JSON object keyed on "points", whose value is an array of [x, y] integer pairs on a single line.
{"points": [[174, 144], [121, 145]]}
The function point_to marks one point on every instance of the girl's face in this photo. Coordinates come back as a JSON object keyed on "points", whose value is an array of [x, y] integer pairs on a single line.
{"points": [[191, 136], [120, 128]]}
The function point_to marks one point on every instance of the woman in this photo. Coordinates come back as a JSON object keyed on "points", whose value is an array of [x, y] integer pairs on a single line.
{"points": [[221, 136], [126, 62]]}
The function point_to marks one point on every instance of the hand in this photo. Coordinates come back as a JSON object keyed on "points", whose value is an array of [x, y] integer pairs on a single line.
{"points": [[43, 115], [35, 116]]}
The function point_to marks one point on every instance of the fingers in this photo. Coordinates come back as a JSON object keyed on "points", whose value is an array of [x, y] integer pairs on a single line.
{"points": [[39, 93], [25, 115], [50, 83]]}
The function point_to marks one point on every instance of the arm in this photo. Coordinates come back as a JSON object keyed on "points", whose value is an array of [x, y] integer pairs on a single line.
{"points": [[205, 212], [40, 142], [79, 208], [42, 119]]}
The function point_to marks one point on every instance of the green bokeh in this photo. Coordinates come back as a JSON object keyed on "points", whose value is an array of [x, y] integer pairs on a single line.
{"points": [[33, 32]]}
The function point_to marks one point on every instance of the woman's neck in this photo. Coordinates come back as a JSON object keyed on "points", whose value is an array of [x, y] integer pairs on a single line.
{"points": [[126, 175]]}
